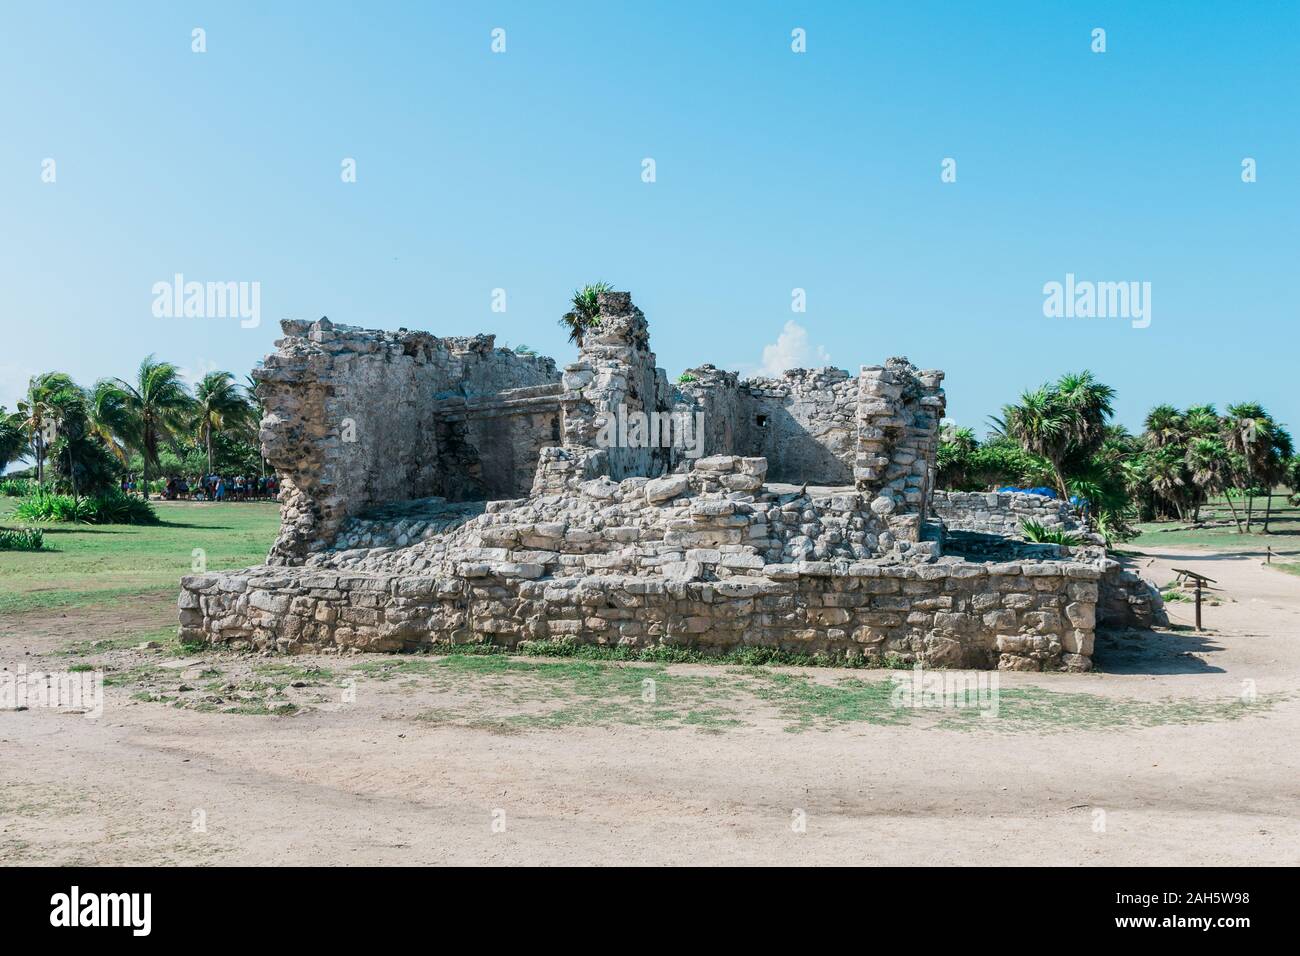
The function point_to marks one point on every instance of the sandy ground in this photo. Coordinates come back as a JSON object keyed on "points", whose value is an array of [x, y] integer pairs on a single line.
{"points": [[366, 782]]}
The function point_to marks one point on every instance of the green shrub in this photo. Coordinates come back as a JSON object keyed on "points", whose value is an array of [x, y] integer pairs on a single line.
{"points": [[21, 539], [685, 378], [1035, 532], [113, 508], [117, 508], [17, 487], [44, 505]]}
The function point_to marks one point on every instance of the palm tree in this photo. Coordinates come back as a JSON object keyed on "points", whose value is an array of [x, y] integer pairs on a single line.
{"points": [[1213, 469], [1090, 405], [1248, 433], [252, 425], [1164, 426], [1043, 426], [1275, 466], [218, 405], [585, 311], [109, 420], [13, 438], [38, 413], [1165, 471], [158, 405], [67, 412]]}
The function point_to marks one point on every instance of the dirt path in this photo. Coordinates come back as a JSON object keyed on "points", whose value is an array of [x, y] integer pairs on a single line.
{"points": [[446, 765]]}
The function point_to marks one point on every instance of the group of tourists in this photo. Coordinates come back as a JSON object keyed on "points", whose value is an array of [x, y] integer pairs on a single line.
{"points": [[214, 488]]}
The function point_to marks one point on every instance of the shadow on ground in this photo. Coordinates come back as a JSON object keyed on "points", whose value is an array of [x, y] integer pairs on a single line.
{"points": [[1130, 651]]}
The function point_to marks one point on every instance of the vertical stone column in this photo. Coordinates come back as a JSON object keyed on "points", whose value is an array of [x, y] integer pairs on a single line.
{"points": [[899, 409], [615, 370]]}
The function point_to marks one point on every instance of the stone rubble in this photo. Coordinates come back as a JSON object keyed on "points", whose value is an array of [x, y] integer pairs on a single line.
{"points": [[634, 546]]}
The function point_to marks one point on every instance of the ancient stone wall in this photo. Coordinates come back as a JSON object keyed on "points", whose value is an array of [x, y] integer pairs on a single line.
{"points": [[708, 558], [1016, 617], [497, 441], [804, 423], [713, 395], [352, 419], [1002, 513], [615, 370], [589, 537], [899, 409]]}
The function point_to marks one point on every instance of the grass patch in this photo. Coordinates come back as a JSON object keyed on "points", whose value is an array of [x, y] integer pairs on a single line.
{"points": [[82, 565], [504, 693], [668, 654], [1221, 534]]}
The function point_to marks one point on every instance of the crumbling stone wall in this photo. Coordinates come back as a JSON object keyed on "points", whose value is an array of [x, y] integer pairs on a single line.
{"points": [[714, 395], [611, 543], [1002, 513], [708, 558], [899, 409], [804, 422], [615, 370], [352, 419], [1015, 617]]}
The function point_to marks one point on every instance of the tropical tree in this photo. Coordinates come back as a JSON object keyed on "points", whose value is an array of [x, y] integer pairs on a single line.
{"points": [[252, 426], [13, 438], [1089, 405], [584, 311], [109, 419], [1275, 465], [158, 405], [1214, 469], [66, 411], [219, 405], [1043, 424], [38, 414], [1168, 476], [1164, 426]]}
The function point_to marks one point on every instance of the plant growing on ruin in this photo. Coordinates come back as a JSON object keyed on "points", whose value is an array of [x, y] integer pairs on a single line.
{"points": [[584, 312], [1039, 534], [685, 378]]}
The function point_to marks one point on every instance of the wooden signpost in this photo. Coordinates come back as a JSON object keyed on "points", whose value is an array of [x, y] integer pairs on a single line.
{"points": [[1201, 581]]}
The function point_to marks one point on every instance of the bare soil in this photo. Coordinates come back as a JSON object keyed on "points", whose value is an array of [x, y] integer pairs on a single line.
{"points": [[1152, 759]]}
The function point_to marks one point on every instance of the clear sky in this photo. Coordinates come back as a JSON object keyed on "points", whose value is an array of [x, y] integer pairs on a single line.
{"points": [[774, 170]]}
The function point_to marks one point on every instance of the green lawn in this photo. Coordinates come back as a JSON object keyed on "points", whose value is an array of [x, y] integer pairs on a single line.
{"points": [[1283, 526], [88, 564]]}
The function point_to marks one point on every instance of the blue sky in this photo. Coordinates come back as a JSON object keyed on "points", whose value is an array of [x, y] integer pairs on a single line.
{"points": [[774, 170]]}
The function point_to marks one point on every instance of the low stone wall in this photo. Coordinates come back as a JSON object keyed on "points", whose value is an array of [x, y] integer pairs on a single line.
{"points": [[1001, 513], [1128, 600], [1017, 616]]}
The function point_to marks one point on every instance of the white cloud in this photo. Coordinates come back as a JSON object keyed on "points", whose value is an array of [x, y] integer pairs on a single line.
{"points": [[193, 376], [792, 350]]}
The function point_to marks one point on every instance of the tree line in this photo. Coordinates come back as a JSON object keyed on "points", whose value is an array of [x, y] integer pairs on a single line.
{"points": [[84, 440], [1061, 435]]}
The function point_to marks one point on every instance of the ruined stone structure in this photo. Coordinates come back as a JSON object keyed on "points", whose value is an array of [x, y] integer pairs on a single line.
{"points": [[441, 490]]}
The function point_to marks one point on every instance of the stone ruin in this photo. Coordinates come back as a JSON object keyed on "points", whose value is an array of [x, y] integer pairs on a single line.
{"points": [[442, 490]]}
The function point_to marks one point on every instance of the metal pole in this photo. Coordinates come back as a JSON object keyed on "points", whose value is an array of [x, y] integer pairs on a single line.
{"points": [[1198, 604]]}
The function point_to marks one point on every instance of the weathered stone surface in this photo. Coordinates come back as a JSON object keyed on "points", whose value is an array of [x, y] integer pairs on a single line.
{"points": [[598, 539]]}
